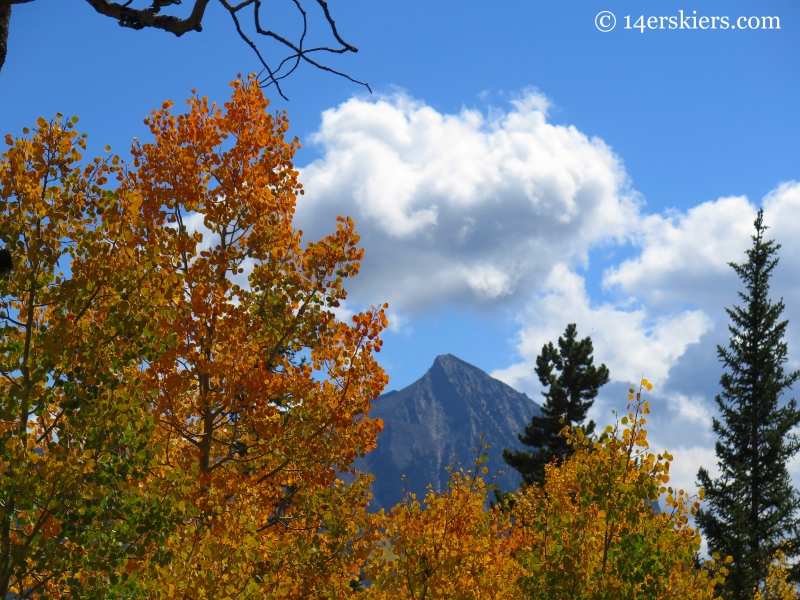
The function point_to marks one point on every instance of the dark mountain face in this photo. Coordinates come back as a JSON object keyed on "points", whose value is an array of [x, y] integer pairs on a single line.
{"points": [[438, 420]]}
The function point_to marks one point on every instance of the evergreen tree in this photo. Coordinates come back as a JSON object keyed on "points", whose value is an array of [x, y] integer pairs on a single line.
{"points": [[572, 383], [752, 507]]}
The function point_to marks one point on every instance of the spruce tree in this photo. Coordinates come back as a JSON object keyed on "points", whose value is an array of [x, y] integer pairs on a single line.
{"points": [[752, 507], [572, 383]]}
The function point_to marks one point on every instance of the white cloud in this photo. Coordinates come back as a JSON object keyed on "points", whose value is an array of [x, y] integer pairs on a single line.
{"points": [[398, 322], [626, 339], [496, 210], [781, 212], [782, 215], [691, 408], [684, 256], [488, 281], [461, 208]]}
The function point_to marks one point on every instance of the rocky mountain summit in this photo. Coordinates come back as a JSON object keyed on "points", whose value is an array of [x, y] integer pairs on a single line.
{"points": [[438, 420]]}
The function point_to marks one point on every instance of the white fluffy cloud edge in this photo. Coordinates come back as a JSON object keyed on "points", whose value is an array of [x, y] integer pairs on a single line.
{"points": [[501, 209]]}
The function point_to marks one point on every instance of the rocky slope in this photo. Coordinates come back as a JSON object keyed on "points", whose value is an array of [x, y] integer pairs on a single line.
{"points": [[438, 420]]}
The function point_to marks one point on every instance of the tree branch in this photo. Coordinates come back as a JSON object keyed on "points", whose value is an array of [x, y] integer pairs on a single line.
{"points": [[141, 18], [149, 17]]}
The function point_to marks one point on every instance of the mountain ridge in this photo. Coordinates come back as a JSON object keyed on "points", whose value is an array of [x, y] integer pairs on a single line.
{"points": [[438, 420]]}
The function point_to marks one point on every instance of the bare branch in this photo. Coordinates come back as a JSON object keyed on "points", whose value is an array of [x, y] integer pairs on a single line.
{"points": [[299, 51], [250, 43], [324, 6], [149, 17], [141, 18]]}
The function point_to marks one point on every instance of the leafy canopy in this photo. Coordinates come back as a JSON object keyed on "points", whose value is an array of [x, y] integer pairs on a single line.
{"points": [[76, 433]]}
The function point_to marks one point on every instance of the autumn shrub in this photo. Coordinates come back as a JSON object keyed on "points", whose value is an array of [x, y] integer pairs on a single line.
{"points": [[590, 531], [778, 585], [447, 546]]}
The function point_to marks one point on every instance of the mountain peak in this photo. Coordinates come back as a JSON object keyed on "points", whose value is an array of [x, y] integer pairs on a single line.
{"points": [[448, 358], [451, 361], [438, 420], [451, 367]]}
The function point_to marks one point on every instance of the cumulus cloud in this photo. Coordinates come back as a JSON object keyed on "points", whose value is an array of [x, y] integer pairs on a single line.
{"points": [[467, 208], [684, 256], [692, 409], [782, 215], [498, 209], [625, 338]]}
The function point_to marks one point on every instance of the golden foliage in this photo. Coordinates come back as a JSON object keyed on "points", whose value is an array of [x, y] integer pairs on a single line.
{"points": [[449, 548], [75, 433], [262, 399], [590, 532], [777, 586]]}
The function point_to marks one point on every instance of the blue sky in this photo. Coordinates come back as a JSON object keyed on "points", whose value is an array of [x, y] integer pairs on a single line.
{"points": [[515, 170]]}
